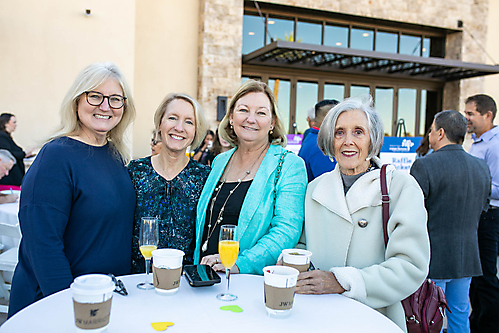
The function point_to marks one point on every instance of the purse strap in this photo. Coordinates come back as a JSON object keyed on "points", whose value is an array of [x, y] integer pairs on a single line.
{"points": [[385, 202]]}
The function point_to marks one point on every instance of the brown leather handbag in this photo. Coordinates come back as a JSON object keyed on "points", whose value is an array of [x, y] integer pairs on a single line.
{"points": [[424, 310]]}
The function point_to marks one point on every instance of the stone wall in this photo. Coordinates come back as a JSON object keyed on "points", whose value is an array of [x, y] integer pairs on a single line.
{"points": [[221, 38], [220, 44]]}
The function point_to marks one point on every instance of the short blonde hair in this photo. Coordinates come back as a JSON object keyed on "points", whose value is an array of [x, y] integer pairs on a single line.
{"points": [[88, 79], [201, 124], [278, 136]]}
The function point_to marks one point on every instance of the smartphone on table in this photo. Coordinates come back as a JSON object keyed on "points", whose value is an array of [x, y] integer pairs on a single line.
{"points": [[201, 275]]}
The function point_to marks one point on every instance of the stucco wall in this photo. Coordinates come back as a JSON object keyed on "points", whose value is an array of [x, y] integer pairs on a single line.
{"points": [[44, 44], [166, 60]]}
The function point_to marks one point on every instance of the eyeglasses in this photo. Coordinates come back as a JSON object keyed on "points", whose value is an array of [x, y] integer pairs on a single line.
{"points": [[95, 98], [119, 286]]}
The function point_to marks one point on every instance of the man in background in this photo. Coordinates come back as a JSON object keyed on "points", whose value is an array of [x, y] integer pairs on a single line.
{"points": [[310, 121], [480, 111], [456, 188], [315, 161]]}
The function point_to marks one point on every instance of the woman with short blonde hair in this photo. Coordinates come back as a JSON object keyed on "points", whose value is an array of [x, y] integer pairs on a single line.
{"points": [[168, 185]]}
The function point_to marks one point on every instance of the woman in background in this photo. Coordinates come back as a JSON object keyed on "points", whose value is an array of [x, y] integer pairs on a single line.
{"points": [[76, 208], [220, 145], [168, 185], [204, 154], [8, 124]]}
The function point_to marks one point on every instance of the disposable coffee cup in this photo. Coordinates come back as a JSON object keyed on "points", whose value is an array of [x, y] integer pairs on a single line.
{"points": [[279, 289], [166, 270], [297, 258], [92, 297]]}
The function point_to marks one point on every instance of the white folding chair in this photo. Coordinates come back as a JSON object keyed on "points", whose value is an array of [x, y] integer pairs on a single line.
{"points": [[8, 259]]}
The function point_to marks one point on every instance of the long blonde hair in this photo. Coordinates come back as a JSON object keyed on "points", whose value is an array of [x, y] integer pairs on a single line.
{"points": [[88, 79]]}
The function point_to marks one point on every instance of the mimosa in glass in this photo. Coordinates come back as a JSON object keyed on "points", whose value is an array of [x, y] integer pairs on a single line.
{"points": [[228, 249], [148, 241]]}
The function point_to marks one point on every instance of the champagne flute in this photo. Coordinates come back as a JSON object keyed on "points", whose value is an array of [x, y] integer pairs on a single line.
{"points": [[148, 241], [228, 249]]}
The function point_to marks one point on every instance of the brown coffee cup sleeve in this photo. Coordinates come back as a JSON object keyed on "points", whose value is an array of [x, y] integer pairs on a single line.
{"points": [[279, 298], [301, 268], [165, 278], [92, 315]]}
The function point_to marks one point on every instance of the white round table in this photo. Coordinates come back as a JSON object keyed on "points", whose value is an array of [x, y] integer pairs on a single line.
{"points": [[198, 310]]}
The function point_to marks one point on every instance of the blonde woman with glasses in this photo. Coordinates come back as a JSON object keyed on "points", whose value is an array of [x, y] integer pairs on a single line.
{"points": [[77, 201]]}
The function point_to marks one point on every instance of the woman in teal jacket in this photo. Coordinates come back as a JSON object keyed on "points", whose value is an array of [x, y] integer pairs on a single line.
{"points": [[258, 186]]}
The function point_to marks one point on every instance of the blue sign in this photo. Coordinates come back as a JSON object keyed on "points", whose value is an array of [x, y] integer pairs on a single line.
{"points": [[393, 144]]}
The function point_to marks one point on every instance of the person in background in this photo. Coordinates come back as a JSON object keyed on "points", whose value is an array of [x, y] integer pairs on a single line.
{"points": [[155, 144], [204, 154], [480, 111], [168, 185], [424, 147], [316, 162], [456, 189], [220, 145], [7, 161], [8, 124], [310, 121], [343, 218], [77, 200], [257, 185]]}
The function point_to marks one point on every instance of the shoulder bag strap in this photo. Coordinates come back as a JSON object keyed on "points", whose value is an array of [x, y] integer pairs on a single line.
{"points": [[385, 201]]}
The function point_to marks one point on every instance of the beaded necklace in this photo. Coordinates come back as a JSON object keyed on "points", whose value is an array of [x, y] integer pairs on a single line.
{"points": [[204, 248]]}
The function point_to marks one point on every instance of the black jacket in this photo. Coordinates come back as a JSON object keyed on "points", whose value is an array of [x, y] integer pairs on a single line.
{"points": [[16, 175]]}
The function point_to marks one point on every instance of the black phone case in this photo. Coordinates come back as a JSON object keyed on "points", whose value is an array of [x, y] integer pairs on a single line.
{"points": [[193, 282]]}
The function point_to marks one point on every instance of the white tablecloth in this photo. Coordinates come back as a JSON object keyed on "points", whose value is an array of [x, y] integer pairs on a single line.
{"points": [[198, 310], [8, 215]]}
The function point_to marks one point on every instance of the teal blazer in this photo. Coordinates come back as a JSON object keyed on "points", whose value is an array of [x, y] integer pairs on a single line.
{"points": [[264, 231]]}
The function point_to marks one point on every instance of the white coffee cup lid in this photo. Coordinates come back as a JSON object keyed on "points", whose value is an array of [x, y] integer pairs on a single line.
{"points": [[168, 253], [91, 284]]}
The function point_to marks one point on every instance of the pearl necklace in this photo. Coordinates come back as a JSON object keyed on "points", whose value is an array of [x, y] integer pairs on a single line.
{"points": [[204, 248]]}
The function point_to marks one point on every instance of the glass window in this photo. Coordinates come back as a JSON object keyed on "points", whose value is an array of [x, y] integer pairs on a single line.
{"points": [[306, 97], [386, 42], [426, 47], [359, 90], [410, 45], [253, 32], [282, 92], [383, 103], [422, 114], [407, 110], [336, 36], [334, 91], [362, 39], [280, 29], [310, 33]]}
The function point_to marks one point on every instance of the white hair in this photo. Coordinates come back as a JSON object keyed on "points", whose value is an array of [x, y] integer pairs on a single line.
{"points": [[325, 140], [6, 155]]}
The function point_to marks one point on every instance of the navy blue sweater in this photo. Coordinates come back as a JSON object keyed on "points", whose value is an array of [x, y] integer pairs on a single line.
{"points": [[76, 215]]}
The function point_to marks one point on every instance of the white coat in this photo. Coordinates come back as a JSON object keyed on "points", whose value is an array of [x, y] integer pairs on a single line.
{"points": [[356, 255]]}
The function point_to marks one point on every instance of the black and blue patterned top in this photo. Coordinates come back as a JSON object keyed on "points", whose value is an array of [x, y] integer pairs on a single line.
{"points": [[173, 201]]}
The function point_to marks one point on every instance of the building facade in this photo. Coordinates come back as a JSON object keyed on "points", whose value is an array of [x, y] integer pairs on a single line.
{"points": [[412, 56]]}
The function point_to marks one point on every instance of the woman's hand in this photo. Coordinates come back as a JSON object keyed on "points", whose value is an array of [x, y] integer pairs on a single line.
{"points": [[318, 282], [214, 262]]}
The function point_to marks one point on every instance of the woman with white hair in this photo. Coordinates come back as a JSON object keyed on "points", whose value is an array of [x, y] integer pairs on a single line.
{"points": [[77, 201], [343, 218], [168, 185]]}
